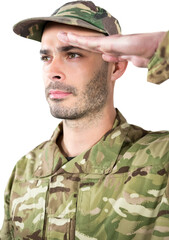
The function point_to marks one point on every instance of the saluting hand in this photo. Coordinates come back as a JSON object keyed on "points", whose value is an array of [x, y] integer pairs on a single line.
{"points": [[137, 48]]}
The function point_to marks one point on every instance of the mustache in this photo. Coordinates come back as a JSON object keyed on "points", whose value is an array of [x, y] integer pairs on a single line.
{"points": [[60, 86]]}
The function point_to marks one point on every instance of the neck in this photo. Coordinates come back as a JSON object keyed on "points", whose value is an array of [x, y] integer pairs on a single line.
{"points": [[80, 135]]}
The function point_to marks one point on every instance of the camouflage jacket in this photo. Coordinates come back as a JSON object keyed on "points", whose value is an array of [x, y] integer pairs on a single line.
{"points": [[118, 189], [158, 67]]}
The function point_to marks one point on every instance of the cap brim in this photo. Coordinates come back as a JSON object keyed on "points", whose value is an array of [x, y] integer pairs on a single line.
{"points": [[32, 28]]}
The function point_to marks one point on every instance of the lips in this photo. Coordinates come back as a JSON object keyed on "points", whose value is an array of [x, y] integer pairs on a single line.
{"points": [[56, 94]]}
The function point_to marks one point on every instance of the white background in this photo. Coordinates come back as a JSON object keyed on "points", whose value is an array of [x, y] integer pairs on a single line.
{"points": [[24, 114]]}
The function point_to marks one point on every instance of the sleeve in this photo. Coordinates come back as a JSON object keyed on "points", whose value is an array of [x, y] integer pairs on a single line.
{"points": [[158, 67], [5, 232]]}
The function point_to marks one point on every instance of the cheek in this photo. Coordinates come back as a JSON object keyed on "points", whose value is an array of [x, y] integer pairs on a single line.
{"points": [[82, 74], [45, 78]]}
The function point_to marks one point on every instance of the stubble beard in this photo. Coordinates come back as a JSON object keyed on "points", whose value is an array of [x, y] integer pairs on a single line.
{"points": [[91, 101]]}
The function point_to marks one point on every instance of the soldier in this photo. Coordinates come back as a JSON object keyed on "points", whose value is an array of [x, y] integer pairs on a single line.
{"points": [[98, 177]]}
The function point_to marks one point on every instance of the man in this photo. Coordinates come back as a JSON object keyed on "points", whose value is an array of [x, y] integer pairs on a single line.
{"points": [[97, 177]]}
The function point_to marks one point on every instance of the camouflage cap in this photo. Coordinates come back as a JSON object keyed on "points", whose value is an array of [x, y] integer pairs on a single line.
{"points": [[77, 13]]}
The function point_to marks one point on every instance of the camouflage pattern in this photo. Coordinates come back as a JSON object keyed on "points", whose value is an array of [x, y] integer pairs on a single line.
{"points": [[158, 68], [118, 189], [78, 13]]}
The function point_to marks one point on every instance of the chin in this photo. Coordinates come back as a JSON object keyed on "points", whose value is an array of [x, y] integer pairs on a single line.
{"points": [[67, 114]]}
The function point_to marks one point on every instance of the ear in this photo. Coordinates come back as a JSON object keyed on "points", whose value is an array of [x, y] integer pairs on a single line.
{"points": [[118, 69]]}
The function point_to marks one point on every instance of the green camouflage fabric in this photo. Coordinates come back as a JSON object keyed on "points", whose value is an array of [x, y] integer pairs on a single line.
{"points": [[118, 189], [78, 13], [158, 68]]}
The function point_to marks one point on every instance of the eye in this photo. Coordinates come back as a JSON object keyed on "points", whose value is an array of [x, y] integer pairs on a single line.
{"points": [[73, 55], [45, 58]]}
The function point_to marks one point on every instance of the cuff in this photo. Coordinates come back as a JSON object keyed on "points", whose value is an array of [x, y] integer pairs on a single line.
{"points": [[158, 67]]}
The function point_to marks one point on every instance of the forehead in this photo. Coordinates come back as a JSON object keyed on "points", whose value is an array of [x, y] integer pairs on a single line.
{"points": [[52, 28]]}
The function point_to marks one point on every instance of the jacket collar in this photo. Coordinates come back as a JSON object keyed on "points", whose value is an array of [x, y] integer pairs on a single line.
{"points": [[99, 159]]}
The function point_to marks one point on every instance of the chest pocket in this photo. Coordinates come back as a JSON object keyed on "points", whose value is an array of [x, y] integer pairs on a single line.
{"points": [[28, 201], [96, 196]]}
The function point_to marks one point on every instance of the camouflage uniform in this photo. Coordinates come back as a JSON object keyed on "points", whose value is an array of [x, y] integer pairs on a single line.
{"points": [[118, 189], [158, 68]]}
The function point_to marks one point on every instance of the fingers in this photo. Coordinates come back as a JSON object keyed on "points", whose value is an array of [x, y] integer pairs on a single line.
{"points": [[137, 48], [111, 58], [113, 45], [96, 44], [88, 43], [62, 36]]}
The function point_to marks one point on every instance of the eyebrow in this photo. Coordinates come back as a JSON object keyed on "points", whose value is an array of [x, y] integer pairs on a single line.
{"points": [[60, 49]]}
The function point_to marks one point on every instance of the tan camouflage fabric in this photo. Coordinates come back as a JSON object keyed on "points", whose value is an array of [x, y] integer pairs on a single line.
{"points": [[118, 189], [158, 68], [77, 13]]}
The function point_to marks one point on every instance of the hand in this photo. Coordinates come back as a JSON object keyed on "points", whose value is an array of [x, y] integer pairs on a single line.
{"points": [[137, 48]]}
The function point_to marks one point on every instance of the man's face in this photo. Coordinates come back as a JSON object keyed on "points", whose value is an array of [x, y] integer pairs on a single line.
{"points": [[75, 79]]}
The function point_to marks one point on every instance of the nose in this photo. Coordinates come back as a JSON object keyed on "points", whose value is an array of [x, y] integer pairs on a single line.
{"points": [[54, 70]]}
